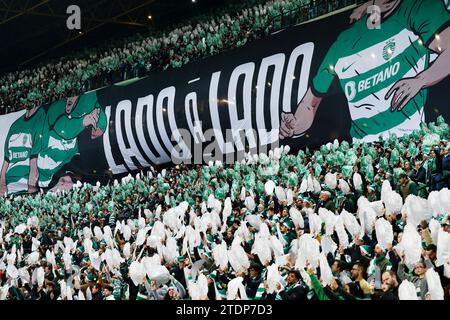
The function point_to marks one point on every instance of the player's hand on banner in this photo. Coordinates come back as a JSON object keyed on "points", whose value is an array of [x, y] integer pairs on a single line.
{"points": [[358, 13], [286, 126], [404, 90], [290, 126], [91, 119]]}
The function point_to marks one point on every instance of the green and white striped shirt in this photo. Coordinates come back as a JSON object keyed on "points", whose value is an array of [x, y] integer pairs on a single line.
{"points": [[368, 62], [22, 143]]}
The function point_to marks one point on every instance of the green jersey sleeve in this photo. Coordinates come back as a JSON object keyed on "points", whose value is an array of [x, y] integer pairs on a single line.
{"points": [[426, 18], [326, 73]]}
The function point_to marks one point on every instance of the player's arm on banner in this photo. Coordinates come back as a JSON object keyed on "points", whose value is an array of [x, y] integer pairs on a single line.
{"points": [[34, 154], [293, 125], [431, 21], [3, 188], [5, 166], [101, 125], [296, 124], [34, 175]]}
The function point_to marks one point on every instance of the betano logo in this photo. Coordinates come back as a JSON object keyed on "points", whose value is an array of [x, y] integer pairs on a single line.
{"points": [[351, 89], [18, 155]]}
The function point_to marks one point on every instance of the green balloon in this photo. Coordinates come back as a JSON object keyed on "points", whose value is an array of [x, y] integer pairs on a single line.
{"points": [[219, 194], [340, 157], [369, 173], [395, 156], [317, 169], [330, 159], [384, 163], [344, 146], [293, 179], [347, 171]]}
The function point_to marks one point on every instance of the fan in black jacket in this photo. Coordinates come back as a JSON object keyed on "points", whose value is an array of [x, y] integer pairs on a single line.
{"points": [[389, 286], [253, 280], [295, 289], [97, 294]]}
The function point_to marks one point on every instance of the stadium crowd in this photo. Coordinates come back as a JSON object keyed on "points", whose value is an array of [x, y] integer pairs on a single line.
{"points": [[226, 28], [343, 222]]}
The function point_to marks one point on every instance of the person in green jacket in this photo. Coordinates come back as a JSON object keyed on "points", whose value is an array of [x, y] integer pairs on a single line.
{"points": [[327, 293]]}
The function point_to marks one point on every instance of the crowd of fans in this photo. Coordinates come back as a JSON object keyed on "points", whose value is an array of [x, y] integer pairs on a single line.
{"points": [[227, 28], [343, 222]]}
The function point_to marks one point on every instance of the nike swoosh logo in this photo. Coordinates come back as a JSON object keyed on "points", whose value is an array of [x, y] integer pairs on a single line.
{"points": [[345, 69]]}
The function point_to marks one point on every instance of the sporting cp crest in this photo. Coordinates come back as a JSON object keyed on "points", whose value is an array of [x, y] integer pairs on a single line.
{"points": [[388, 50], [25, 139]]}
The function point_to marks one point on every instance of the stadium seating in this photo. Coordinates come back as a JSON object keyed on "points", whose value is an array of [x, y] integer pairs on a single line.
{"points": [[223, 220], [203, 36]]}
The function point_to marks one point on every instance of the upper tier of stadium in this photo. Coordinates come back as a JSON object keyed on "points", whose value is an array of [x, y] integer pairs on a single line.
{"points": [[199, 36]]}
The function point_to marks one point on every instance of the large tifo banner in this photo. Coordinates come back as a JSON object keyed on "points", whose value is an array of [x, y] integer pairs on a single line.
{"points": [[308, 85]]}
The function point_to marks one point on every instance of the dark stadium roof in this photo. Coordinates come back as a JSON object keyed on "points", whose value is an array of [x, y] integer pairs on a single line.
{"points": [[34, 30]]}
